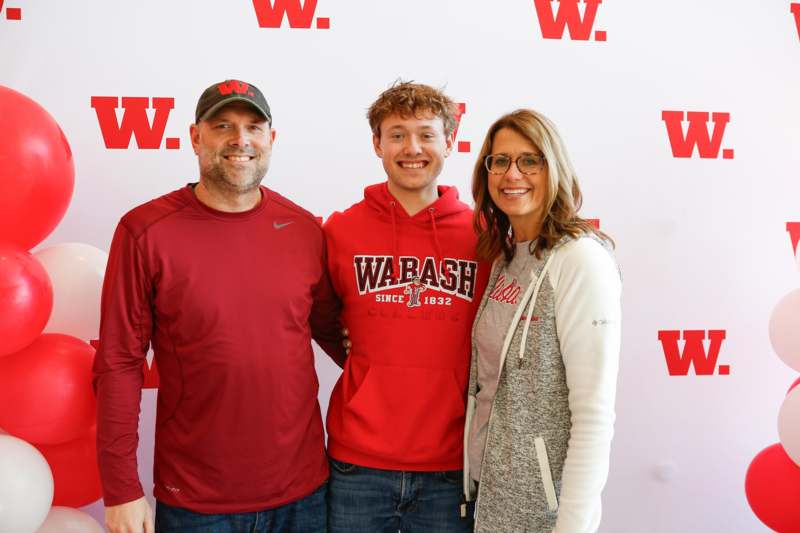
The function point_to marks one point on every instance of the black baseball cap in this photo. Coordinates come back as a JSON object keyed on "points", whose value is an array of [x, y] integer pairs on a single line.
{"points": [[225, 92]]}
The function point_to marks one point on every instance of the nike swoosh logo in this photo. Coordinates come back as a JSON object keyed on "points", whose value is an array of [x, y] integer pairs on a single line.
{"points": [[280, 226]]}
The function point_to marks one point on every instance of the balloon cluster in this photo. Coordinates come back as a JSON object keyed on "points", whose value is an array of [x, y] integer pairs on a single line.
{"points": [[49, 309], [772, 483]]}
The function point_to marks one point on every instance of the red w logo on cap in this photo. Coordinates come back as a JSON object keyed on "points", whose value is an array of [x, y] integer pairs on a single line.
{"points": [[233, 86]]}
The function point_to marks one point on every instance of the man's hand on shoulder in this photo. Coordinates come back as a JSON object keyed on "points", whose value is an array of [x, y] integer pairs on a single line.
{"points": [[130, 517]]}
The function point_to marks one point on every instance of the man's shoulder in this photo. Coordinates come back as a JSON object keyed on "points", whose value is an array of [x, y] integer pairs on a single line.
{"points": [[143, 216], [355, 214], [288, 207]]}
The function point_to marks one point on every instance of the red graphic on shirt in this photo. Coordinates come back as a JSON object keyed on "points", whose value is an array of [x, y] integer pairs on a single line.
{"points": [[568, 16], [375, 273], [117, 135], [462, 146], [506, 292], [149, 371], [12, 13], [795, 8], [694, 352], [270, 14], [413, 291], [708, 146], [794, 234]]}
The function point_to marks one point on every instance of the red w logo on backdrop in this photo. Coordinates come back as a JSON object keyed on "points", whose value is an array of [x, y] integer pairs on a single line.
{"points": [[12, 13], [568, 16], [794, 234], [796, 11], [694, 352], [463, 146], [270, 14], [117, 135], [696, 134]]}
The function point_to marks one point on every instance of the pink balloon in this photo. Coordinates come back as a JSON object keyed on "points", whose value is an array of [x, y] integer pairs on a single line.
{"points": [[772, 484], [46, 394], [37, 174], [784, 329], [789, 424], [66, 520], [26, 298]]}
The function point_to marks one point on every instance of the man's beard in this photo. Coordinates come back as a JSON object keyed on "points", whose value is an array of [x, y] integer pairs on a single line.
{"points": [[216, 175]]}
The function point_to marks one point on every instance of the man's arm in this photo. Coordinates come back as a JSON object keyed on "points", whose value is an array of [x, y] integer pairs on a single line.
{"points": [[125, 330], [326, 327]]}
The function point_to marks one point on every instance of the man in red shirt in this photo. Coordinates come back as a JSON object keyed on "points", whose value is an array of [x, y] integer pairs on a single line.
{"points": [[226, 280]]}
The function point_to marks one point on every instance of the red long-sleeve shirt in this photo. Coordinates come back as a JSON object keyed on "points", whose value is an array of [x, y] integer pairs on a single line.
{"points": [[229, 303]]}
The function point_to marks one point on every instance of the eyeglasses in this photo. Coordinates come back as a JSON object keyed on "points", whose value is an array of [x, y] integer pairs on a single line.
{"points": [[526, 163]]}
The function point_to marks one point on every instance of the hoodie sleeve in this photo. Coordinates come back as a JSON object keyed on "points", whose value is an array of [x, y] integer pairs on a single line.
{"points": [[125, 330], [588, 312], [326, 327]]}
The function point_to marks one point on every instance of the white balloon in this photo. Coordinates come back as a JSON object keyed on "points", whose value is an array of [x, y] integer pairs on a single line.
{"points": [[76, 271], [783, 331], [69, 520], [789, 424], [26, 486]]}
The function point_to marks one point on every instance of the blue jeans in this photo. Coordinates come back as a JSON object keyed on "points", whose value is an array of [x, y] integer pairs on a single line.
{"points": [[367, 500], [307, 515]]}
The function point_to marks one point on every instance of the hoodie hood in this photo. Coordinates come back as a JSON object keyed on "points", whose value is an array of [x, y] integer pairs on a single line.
{"points": [[379, 198]]}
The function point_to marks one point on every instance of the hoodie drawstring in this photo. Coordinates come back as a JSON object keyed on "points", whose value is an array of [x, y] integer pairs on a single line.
{"points": [[395, 262], [431, 211], [529, 316]]}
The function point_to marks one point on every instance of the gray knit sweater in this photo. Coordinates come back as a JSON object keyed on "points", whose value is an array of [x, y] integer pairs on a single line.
{"points": [[550, 428]]}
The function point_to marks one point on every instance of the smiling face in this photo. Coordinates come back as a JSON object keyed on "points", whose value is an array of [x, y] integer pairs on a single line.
{"points": [[413, 150], [233, 148], [522, 197]]}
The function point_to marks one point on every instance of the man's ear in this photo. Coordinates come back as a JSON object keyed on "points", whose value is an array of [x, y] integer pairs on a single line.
{"points": [[376, 143]]}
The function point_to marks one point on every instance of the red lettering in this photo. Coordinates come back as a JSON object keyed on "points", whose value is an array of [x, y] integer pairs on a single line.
{"points": [[117, 135], [794, 234], [795, 8], [696, 133], [505, 293], [462, 146], [270, 15], [569, 16], [694, 352]]}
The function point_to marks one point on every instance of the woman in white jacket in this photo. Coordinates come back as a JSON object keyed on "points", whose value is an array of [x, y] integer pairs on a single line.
{"points": [[545, 344]]}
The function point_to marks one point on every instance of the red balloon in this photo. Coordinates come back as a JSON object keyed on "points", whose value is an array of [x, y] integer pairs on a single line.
{"points": [[26, 298], [46, 394], [75, 472], [37, 174], [772, 485]]}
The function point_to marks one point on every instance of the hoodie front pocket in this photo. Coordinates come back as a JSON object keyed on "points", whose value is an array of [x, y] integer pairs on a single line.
{"points": [[546, 474], [406, 413]]}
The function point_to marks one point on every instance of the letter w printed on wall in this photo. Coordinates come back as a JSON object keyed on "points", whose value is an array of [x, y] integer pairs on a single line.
{"points": [[567, 15], [794, 234], [117, 134], [270, 14], [795, 8], [708, 146], [694, 352]]}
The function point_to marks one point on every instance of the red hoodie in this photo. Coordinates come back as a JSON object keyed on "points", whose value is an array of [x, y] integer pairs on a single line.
{"points": [[410, 287]]}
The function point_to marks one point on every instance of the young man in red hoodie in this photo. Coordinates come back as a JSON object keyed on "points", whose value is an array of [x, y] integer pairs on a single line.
{"points": [[403, 263]]}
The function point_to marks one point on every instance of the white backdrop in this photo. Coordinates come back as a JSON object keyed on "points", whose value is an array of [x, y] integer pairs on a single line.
{"points": [[702, 241]]}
